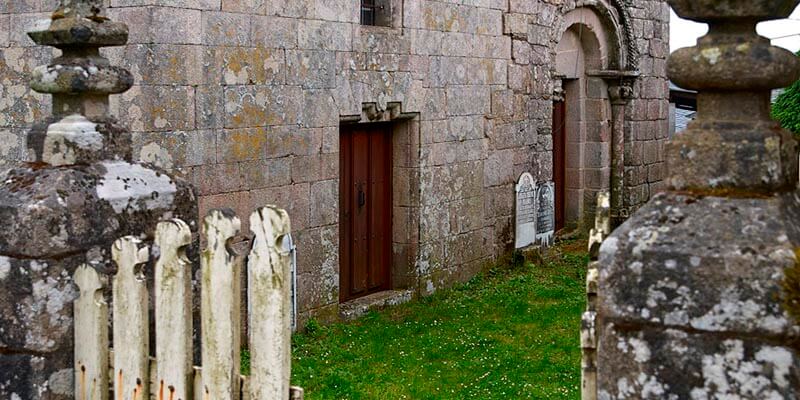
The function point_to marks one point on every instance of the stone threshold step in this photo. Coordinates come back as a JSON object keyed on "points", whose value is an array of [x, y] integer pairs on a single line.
{"points": [[359, 307]]}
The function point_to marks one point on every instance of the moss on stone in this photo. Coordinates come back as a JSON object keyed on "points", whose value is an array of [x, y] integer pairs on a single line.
{"points": [[791, 288]]}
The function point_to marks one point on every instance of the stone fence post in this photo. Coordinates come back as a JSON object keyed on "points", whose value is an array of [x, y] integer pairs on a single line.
{"points": [[80, 192], [699, 293]]}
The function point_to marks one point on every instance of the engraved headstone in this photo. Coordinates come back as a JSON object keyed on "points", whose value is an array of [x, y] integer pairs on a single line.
{"points": [[545, 214], [526, 211]]}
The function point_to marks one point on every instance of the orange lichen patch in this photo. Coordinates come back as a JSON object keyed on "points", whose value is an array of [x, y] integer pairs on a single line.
{"points": [[246, 145], [250, 65], [175, 69], [237, 60], [249, 115], [791, 288]]}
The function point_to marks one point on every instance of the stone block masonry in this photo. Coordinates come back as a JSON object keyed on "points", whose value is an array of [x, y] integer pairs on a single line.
{"points": [[245, 99]]}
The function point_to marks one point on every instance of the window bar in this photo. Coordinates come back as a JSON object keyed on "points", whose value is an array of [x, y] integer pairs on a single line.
{"points": [[368, 10]]}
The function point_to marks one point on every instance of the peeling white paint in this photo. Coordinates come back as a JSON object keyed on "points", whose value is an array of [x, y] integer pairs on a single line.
{"points": [[127, 185], [63, 137]]}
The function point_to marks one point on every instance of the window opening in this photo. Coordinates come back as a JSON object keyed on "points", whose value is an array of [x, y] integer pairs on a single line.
{"points": [[368, 11]]}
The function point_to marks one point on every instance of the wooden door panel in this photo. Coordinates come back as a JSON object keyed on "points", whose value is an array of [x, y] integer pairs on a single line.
{"points": [[559, 160], [380, 156], [360, 210], [365, 210]]}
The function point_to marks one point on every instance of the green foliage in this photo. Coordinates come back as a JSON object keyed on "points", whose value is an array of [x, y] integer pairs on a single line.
{"points": [[512, 333], [787, 108], [245, 362], [313, 327]]}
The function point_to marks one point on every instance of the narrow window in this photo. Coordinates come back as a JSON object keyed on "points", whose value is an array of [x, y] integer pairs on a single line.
{"points": [[368, 11]]}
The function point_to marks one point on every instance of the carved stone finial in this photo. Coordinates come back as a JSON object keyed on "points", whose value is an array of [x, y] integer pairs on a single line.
{"points": [[81, 79], [733, 147]]}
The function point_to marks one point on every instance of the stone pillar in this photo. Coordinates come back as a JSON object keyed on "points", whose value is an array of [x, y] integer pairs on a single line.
{"points": [[699, 293], [620, 94], [79, 193]]}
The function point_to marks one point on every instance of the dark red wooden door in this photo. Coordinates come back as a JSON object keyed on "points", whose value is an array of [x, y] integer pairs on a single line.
{"points": [[559, 160], [365, 210]]}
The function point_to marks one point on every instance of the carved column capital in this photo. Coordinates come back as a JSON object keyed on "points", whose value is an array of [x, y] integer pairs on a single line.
{"points": [[620, 92]]}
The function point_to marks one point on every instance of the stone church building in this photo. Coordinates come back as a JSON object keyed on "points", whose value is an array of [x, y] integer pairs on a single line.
{"points": [[393, 131]]}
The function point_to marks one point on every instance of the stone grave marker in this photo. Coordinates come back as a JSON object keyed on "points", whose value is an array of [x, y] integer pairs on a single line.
{"points": [[525, 211], [545, 213]]}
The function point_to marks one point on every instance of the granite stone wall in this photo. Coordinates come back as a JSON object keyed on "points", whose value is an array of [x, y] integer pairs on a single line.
{"points": [[245, 99]]}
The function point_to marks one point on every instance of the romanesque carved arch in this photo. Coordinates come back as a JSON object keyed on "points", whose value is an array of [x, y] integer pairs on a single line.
{"points": [[616, 20]]}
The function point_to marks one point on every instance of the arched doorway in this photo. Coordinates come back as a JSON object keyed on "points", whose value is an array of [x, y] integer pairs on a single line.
{"points": [[582, 119]]}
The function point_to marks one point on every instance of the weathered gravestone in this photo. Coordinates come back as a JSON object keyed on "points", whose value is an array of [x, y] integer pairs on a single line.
{"points": [[526, 211], [545, 214]]}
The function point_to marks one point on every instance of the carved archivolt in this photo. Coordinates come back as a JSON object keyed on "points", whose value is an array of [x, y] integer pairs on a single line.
{"points": [[616, 17], [623, 8]]}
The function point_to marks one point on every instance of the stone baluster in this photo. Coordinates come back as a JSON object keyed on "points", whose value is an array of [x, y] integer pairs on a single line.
{"points": [[80, 191], [697, 292]]}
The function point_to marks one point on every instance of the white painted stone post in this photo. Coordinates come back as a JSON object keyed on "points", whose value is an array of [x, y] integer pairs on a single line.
{"points": [[173, 311], [91, 329], [131, 322], [220, 308], [270, 320]]}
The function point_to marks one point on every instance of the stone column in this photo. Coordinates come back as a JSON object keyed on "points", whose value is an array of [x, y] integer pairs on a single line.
{"points": [[79, 193], [699, 293], [620, 94]]}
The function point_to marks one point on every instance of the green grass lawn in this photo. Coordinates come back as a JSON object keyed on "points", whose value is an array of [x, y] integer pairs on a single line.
{"points": [[508, 334]]}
